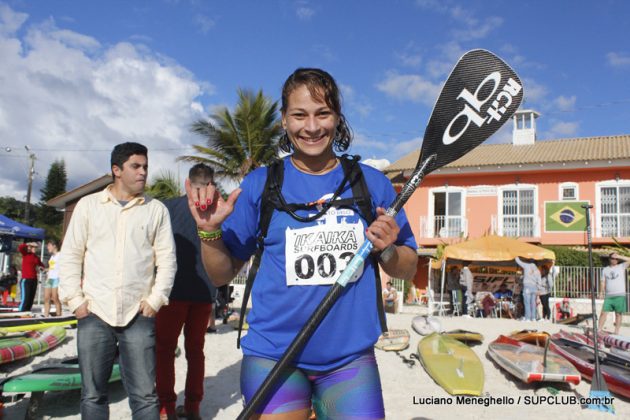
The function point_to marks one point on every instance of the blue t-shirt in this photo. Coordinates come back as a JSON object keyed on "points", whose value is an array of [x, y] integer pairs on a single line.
{"points": [[302, 260]]}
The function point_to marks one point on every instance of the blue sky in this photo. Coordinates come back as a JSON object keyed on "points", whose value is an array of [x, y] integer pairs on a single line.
{"points": [[77, 77]]}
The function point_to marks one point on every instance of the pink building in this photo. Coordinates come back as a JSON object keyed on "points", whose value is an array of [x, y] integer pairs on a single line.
{"points": [[528, 189]]}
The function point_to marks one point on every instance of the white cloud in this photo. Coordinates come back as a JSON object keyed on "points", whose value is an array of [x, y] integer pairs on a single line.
{"points": [[71, 98], [410, 56], [204, 23], [564, 104], [410, 87], [10, 20], [303, 10], [533, 92], [379, 164], [353, 103], [304, 13], [561, 129], [618, 59], [469, 26], [409, 59]]}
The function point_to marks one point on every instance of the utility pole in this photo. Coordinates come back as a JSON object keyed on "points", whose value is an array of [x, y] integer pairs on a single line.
{"points": [[31, 172]]}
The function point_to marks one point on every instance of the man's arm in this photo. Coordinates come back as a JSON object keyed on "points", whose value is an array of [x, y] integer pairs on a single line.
{"points": [[71, 265], [520, 263], [626, 260], [165, 262]]}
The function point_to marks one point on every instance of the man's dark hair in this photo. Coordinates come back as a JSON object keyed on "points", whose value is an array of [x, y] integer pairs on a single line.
{"points": [[200, 171], [122, 152]]}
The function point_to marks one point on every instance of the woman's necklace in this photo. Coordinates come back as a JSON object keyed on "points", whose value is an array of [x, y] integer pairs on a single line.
{"points": [[302, 168]]}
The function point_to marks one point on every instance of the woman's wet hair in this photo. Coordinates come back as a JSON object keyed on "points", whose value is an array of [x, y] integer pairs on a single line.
{"points": [[322, 87]]}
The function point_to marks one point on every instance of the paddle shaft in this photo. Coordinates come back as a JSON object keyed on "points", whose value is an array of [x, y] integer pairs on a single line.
{"points": [[329, 300], [597, 383]]}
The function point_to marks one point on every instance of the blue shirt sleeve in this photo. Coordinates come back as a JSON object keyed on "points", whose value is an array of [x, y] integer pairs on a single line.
{"points": [[240, 229]]}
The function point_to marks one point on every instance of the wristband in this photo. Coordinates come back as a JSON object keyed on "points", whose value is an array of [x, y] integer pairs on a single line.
{"points": [[387, 253], [210, 236]]}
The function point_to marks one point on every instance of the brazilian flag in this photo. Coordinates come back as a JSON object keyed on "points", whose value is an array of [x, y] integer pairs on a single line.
{"points": [[565, 216]]}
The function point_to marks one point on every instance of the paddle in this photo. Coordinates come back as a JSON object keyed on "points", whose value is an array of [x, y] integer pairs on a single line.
{"points": [[599, 389], [479, 96]]}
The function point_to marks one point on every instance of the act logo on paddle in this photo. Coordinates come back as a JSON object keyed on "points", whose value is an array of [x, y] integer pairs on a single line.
{"points": [[474, 101]]}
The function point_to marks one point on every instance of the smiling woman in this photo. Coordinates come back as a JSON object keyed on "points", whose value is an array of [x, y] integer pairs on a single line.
{"points": [[302, 251]]}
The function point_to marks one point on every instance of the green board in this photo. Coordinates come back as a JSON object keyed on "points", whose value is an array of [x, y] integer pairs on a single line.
{"points": [[55, 377]]}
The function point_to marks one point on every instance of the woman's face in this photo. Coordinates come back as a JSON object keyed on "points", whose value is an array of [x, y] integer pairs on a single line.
{"points": [[311, 125]]}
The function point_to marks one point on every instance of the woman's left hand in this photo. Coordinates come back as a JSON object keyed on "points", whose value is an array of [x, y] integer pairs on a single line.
{"points": [[383, 232]]}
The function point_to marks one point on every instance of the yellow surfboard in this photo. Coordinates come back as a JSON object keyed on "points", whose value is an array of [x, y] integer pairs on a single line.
{"points": [[452, 364]]}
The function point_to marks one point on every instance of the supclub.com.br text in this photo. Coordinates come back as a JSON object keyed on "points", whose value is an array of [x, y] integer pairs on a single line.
{"points": [[488, 400]]}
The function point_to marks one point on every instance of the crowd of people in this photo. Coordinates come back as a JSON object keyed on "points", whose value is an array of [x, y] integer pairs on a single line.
{"points": [[534, 287]]}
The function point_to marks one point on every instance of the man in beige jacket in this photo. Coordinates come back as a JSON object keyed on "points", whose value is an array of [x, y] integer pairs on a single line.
{"points": [[116, 272]]}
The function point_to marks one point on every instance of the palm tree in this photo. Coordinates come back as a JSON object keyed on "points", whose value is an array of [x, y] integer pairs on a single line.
{"points": [[239, 142], [164, 186]]}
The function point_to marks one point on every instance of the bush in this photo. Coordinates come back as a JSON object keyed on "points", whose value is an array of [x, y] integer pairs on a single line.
{"points": [[568, 256]]}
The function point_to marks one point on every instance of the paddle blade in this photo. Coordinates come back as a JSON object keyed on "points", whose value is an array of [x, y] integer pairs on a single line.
{"points": [[480, 95]]}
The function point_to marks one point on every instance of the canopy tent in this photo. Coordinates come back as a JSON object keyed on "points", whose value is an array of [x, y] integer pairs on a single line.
{"points": [[12, 228], [495, 250], [491, 250]]}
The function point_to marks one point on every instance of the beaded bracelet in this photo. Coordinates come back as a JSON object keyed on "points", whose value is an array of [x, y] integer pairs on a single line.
{"points": [[210, 236]]}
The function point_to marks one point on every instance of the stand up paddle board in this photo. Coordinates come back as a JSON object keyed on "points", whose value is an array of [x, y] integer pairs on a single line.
{"points": [[393, 340], [62, 376], [31, 344], [425, 325], [531, 363], [31, 324], [452, 364], [465, 336], [615, 370]]}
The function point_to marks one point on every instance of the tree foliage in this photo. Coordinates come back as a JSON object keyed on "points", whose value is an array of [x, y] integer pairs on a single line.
{"points": [[240, 141], [164, 186], [56, 182]]}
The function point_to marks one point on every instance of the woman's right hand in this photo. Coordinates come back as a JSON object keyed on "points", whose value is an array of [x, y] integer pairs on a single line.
{"points": [[207, 206]]}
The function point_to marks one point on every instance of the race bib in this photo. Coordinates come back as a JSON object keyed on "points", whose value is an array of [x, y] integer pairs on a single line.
{"points": [[318, 254]]}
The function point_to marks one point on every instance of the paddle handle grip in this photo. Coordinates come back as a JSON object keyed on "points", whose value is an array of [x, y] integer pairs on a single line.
{"points": [[294, 348], [410, 186]]}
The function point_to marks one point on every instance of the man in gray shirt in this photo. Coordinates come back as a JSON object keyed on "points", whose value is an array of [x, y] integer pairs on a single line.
{"points": [[613, 289]]}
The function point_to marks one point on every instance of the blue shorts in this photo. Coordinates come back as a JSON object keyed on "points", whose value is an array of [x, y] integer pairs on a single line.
{"points": [[351, 391], [51, 283]]}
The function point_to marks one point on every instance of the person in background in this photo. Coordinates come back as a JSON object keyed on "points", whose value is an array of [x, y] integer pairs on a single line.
{"points": [[7, 283], [613, 289], [453, 286], [565, 309], [503, 297], [466, 281], [116, 272], [189, 307], [31, 265], [544, 290], [390, 298], [531, 280], [51, 285]]}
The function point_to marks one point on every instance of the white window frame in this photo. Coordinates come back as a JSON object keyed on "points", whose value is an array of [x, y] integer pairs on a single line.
{"points": [[616, 183], [431, 203], [565, 185], [519, 187]]}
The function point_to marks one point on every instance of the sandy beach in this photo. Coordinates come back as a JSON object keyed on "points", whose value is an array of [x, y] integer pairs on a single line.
{"points": [[403, 386]]}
